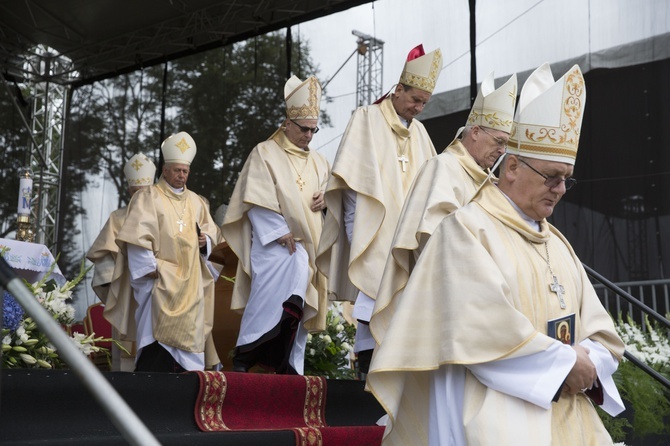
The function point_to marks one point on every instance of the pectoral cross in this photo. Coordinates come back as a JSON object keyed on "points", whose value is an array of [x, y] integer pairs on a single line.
{"points": [[557, 288], [403, 160], [181, 224], [300, 182]]}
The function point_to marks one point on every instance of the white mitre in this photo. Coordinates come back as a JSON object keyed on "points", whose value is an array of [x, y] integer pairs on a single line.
{"points": [[303, 98], [549, 118], [139, 170], [493, 108], [179, 148], [422, 70]]}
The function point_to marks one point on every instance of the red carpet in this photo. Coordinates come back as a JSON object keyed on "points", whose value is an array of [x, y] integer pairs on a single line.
{"points": [[229, 401]]}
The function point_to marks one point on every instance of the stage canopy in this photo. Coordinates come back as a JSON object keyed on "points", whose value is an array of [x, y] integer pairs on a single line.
{"points": [[105, 38]]}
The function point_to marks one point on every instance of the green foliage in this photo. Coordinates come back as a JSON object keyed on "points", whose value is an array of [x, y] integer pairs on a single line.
{"points": [[327, 353], [616, 426], [647, 401], [113, 119], [229, 100]]}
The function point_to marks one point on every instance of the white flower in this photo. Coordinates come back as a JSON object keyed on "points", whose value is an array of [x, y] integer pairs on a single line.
{"points": [[327, 339], [312, 352], [7, 340], [21, 335], [346, 346], [309, 337], [83, 343], [57, 294], [339, 328], [28, 359]]}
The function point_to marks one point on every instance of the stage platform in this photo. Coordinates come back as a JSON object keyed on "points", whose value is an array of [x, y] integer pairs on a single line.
{"points": [[42, 407]]}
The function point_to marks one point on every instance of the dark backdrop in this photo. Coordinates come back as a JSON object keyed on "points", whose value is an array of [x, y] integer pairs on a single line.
{"points": [[617, 217]]}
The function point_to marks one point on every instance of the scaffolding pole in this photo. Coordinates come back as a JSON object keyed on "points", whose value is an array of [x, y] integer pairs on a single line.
{"points": [[369, 75], [47, 123]]}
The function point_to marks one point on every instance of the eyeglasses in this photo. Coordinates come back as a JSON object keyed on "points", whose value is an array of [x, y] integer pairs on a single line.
{"points": [[304, 129], [502, 144], [552, 182]]}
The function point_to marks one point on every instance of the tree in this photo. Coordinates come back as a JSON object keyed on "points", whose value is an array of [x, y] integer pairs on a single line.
{"points": [[229, 100], [114, 119], [14, 151]]}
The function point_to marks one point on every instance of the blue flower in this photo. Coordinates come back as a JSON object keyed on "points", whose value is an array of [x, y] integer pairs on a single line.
{"points": [[12, 312]]}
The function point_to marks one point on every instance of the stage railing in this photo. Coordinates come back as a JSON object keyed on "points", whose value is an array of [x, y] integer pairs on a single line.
{"points": [[654, 294], [635, 306]]}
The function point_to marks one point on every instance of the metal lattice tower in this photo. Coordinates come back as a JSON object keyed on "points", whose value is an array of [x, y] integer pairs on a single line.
{"points": [[49, 95], [369, 75]]}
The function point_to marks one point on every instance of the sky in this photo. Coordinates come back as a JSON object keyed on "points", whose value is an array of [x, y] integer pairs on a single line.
{"points": [[512, 36]]}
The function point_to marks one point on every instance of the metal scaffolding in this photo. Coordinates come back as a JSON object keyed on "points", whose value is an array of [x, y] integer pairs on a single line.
{"points": [[369, 75], [49, 101]]}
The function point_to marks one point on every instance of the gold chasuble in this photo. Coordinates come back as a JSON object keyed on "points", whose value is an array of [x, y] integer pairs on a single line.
{"points": [[480, 293], [165, 223], [445, 183], [282, 178], [103, 253], [378, 158]]}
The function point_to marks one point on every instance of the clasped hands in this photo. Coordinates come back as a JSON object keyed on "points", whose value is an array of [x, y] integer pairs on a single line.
{"points": [[583, 374]]}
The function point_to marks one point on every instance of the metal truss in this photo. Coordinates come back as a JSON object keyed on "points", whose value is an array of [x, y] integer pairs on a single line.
{"points": [[49, 105], [369, 75]]}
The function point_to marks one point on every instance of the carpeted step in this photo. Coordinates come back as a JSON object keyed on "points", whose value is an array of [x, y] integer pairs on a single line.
{"points": [[50, 407], [250, 401], [229, 401]]}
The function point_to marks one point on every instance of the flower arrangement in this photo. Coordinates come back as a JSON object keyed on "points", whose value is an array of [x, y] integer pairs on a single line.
{"points": [[649, 400], [23, 345], [327, 353]]}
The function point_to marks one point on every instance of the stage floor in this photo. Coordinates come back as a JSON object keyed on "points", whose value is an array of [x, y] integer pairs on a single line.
{"points": [[48, 407]]}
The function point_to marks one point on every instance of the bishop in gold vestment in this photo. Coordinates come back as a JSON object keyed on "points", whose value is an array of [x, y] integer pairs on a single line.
{"points": [[445, 183], [472, 354], [381, 151], [273, 224], [167, 236], [139, 172]]}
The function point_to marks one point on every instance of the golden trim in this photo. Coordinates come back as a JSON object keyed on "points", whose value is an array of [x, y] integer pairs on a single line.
{"points": [[309, 110], [426, 83], [534, 148], [315, 392]]}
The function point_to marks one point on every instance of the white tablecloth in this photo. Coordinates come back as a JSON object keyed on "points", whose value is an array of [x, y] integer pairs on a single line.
{"points": [[30, 261]]}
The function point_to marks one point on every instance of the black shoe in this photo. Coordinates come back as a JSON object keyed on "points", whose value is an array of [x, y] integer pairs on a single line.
{"points": [[364, 359]]}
